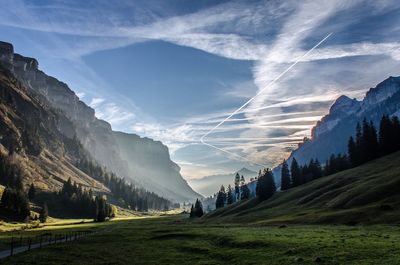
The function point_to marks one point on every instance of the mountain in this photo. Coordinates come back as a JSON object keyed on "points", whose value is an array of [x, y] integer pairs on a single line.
{"points": [[330, 134], [30, 137], [367, 194], [143, 161], [209, 185]]}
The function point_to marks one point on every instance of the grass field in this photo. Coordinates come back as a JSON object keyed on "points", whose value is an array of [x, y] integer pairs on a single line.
{"points": [[368, 194], [178, 240]]}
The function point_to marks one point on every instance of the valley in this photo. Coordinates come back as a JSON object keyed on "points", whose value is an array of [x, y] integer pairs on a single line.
{"points": [[199, 132]]}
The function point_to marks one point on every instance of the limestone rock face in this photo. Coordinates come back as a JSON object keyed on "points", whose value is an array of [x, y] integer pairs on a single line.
{"points": [[144, 161]]}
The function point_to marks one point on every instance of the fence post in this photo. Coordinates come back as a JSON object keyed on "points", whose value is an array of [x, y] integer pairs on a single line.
{"points": [[41, 238], [20, 240], [30, 243], [12, 246]]}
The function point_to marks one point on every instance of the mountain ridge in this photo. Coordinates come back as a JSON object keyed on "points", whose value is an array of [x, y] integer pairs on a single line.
{"points": [[383, 99], [96, 135]]}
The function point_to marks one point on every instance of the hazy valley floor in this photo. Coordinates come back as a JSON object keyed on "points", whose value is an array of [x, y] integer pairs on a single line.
{"points": [[178, 240]]}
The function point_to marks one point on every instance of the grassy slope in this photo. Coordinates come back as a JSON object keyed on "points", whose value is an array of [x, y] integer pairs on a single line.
{"points": [[366, 194], [177, 240]]}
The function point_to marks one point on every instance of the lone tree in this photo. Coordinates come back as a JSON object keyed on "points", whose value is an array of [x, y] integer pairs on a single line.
{"points": [[221, 198], [44, 213], [265, 185], [31, 192], [285, 176]]}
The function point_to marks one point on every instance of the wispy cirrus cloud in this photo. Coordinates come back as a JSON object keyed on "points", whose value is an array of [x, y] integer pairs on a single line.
{"points": [[272, 34]]}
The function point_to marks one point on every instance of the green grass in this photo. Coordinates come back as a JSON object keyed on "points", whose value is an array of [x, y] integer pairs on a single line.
{"points": [[177, 240], [301, 226], [369, 194], [61, 227], [25, 231]]}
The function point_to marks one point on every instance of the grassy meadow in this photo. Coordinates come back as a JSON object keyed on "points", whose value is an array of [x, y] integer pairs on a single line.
{"points": [[178, 240]]}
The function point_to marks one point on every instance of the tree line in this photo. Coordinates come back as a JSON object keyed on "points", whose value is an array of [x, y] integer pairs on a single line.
{"points": [[134, 197], [81, 202], [240, 192], [14, 200], [367, 144]]}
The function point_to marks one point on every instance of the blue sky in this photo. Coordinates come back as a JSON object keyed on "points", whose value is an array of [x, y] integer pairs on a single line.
{"points": [[172, 70]]}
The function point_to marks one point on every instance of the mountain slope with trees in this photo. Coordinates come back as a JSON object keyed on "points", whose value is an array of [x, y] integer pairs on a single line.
{"points": [[331, 133], [37, 161], [365, 194], [148, 165]]}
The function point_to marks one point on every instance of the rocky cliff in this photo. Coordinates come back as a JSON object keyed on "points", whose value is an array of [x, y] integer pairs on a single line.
{"points": [[145, 162], [30, 139]]}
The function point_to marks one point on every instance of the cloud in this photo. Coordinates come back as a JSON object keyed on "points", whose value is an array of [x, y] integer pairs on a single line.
{"points": [[95, 102], [273, 34], [114, 114], [80, 95]]}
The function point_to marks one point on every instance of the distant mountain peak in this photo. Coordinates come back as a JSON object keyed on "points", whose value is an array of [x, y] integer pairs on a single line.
{"points": [[331, 133], [382, 91], [342, 107], [344, 104], [245, 171]]}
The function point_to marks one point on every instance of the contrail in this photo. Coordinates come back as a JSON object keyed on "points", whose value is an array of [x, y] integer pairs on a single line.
{"points": [[250, 100]]}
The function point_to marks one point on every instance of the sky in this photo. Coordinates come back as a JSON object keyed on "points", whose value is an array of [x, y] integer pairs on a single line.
{"points": [[173, 70]]}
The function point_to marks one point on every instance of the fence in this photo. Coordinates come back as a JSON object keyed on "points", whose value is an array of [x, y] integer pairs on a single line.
{"points": [[22, 244]]}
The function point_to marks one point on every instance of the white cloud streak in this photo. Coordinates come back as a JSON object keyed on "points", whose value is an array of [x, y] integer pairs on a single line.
{"points": [[230, 30]]}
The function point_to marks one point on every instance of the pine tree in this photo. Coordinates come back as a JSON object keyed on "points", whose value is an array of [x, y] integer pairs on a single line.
{"points": [[245, 192], [285, 176], [191, 212], [373, 143], [31, 192], [353, 152], [395, 138], [100, 209], [265, 185], [242, 180], [296, 173], [44, 213], [317, 169], [369, 142], [359, 142], [237, 186], [198, 208], [229, 195], [221, 198]]}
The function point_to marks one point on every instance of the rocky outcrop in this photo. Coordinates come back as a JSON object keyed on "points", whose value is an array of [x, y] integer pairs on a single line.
{"points": [[146, 162], [343, 107]]}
